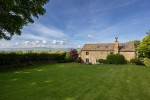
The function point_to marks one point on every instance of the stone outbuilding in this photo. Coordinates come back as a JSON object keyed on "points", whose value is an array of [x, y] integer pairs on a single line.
{"points": [[91, 53]]}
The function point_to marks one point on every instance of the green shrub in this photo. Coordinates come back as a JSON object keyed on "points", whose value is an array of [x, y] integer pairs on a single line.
{"points": [[146, 62], [116, 59], [136, 61], [79, 60], [68, 58], [73, 54], [16, 59], [102, 61], [90, 63]]}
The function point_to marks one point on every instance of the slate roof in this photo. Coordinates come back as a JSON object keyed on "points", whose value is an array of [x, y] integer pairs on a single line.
{"points": [[108, 47]]}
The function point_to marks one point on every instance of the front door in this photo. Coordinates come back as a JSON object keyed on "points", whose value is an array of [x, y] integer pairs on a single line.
{"points": [[87, 61]]}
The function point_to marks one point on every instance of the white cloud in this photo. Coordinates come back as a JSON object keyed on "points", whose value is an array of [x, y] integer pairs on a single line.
{"points": [[47, 31], [33, 43], [57, 42], [29, 36], [79, 46], [5, 44], [90, 36], [45, 42], [38, 31]]}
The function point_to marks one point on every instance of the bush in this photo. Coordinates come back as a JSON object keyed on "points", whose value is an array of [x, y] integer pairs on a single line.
{"points": [[68, 58], [136, 61], [73, 55], [102, 61], [146, 62], [79, 60], [116, 59], [90, 63]]}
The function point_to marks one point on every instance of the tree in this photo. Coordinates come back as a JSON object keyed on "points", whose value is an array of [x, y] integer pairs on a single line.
{"points": [[73, 54], [144, 47], [14, 14]]}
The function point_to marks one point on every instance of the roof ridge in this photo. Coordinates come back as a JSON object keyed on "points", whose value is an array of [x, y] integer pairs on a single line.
{"points": [[111, 43], [102, 46], [98, 43]]}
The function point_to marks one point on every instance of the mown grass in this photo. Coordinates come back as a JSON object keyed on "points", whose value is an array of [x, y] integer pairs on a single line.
{"points": [[76, 82]]}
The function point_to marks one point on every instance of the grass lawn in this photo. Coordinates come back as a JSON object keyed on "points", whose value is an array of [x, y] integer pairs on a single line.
{"points": [[76, 82]]}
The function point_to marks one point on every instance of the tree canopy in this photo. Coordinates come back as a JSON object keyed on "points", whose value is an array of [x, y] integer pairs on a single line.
{"points": [[14, 14], [144, 47]]}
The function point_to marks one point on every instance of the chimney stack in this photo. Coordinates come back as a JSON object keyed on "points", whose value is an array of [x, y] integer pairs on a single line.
{"points": [[116, 46]]}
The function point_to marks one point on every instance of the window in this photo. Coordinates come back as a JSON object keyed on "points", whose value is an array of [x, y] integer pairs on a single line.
{"points": [[87, 53], [111, 52], [87, 61], [106, 46]]}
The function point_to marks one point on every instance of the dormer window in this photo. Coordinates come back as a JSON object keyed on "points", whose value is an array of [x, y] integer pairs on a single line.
{"points": [[106, 46], [87, 53]]}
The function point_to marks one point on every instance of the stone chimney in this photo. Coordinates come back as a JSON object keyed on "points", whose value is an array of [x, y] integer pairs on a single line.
{"points": [[116, 46]]}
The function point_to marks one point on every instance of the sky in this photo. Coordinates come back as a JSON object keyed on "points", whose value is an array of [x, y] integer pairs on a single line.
{"points": [[72, 23]]}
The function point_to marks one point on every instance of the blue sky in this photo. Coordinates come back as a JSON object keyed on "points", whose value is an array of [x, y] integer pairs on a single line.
{"points": [[72, 23]]}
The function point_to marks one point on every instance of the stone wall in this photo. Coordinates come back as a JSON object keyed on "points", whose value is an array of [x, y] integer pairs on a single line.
{"points": [[94, 55], [128, 55]]}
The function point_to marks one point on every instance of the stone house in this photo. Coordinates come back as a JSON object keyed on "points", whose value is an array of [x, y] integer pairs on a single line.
{"points": [[91, 53]]}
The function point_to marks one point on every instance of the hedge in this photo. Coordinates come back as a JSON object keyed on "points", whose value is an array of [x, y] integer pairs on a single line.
{"points": [[9, 59]]}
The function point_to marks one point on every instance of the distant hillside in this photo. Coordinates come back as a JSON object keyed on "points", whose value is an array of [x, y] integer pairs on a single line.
{"points": [[35, 48]]}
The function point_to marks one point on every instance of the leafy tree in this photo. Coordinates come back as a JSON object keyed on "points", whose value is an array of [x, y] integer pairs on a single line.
{"points": [[147, 62], [73, 54], [14, 14], [144, 47]]}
